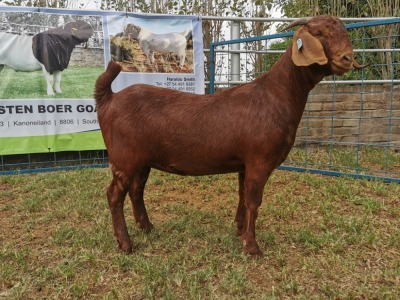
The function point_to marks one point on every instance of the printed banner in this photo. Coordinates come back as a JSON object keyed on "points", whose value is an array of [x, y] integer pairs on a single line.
{"points": [[50, 60]]}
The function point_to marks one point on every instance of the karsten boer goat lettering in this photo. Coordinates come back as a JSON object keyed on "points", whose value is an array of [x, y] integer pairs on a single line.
{"points": [[248, 129]]}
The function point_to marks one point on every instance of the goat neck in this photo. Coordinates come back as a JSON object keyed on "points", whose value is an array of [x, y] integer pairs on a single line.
{"points": [[292, 83]]}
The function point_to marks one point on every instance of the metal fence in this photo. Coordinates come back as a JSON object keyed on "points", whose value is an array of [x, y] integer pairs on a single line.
{"points": [[351, 124]]}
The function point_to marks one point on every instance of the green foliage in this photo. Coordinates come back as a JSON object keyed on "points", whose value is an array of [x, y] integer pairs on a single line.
{"points": [[45, 3], [343, 8], [269, 59]]}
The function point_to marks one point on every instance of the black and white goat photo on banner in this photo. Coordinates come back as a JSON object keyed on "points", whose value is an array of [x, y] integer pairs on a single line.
{"points": [[37, 41]]}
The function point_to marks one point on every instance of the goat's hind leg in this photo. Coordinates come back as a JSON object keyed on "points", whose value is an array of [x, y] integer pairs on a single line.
{"points": [[241, 209], [116, 197], [136, 192]]}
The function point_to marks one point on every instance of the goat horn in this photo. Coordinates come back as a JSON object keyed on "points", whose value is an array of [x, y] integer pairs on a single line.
{"points": [[358, 66], [302, 21]]}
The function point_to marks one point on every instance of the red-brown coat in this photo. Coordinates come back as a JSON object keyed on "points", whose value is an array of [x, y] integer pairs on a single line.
{"points": [[248, 129]]}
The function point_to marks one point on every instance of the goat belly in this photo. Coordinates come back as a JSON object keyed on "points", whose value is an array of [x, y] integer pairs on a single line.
{"points": [[53, 49], [208, 167], [16, 52]]}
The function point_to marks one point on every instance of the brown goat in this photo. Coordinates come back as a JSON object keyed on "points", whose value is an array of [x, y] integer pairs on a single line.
{"points": [[248, 129]]}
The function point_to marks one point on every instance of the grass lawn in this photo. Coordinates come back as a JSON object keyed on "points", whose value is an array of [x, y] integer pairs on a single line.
{"points": [[378, 161], [76, 82], [322, 237]]}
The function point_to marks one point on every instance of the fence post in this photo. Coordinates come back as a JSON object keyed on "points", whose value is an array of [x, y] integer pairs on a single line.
{"points": [[235, 56], [212, 68]]}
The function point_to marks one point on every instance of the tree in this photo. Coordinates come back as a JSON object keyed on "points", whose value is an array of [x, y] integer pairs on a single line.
{"points": [[45, 3]]}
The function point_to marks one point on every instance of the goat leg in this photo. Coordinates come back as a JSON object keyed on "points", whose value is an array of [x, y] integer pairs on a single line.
{"points": [[136, 194], [241, 209], [57, 81], [49, 81], [116, 196], [254, 182]]}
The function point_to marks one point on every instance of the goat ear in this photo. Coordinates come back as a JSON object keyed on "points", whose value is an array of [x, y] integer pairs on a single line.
{"points": [[307, 49]]}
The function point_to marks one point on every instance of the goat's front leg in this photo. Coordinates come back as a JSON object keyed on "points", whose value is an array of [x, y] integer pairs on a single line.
{"points": [[116, 196], [148, 59], [136, 194], [152, 59], [254, 182], [49, 81], [182, 57], [148, 53], [57, 81]]}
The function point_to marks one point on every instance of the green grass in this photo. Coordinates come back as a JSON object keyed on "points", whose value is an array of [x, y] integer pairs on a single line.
{"points": [[369, 160], [76, 82], [322, 237]]}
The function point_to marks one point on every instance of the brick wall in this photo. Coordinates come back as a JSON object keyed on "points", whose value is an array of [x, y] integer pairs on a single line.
{"points": [[351, 114], [87, 57]]}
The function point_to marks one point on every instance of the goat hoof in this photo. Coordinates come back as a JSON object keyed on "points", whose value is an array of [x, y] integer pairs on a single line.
{"points": [[252, 249], [254, 252], [146, 226], [125, 247]]}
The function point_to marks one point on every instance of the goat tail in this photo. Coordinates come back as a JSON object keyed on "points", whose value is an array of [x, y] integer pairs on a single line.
{"points": [[103, 91]]}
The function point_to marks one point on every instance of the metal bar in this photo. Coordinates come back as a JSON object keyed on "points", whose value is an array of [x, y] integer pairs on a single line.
{"points": [[241, 19], [369, 23], [235, 56], [212, 70], [288, 34], [268, 51], [369, 81], [52, 169], [339, 174]]}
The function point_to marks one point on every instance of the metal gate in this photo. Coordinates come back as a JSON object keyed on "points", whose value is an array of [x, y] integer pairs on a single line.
{"points": [[351, 124]]}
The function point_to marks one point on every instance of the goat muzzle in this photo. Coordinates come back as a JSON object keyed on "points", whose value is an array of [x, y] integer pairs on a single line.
{"points": [[347, 62]]}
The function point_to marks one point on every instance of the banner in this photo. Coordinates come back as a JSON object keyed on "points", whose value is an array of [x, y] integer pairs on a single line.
{"points": [[50, 60]]}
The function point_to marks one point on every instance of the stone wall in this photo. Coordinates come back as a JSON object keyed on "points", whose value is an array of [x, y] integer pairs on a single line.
{"points": [[352, 114], [90, 57]]}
